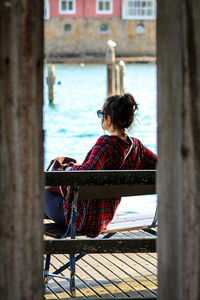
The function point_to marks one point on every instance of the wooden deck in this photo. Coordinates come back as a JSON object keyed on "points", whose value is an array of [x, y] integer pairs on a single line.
{"points": [[108, 275]]}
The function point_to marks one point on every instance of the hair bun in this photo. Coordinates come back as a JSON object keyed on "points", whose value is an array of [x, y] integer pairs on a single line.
{"points": [[129, 100], [121, 109]]}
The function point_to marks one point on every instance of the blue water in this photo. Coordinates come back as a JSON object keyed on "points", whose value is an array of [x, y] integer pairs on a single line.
{"points": [[71, 124]]}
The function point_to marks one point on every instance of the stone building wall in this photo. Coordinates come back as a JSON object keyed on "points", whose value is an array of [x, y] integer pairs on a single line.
{"points": [[85, 38]]}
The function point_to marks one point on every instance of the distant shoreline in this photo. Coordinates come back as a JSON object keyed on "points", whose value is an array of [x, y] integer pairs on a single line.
{"points": [[100, 60]]}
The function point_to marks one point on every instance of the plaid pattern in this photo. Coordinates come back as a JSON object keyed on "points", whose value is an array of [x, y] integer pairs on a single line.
{"points": [[107, 154]]}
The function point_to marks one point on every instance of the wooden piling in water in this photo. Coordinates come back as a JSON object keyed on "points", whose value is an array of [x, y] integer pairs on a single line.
{"points": [[122, 69], [110, 61], [50, 82], [115, 72], [117, 79]]}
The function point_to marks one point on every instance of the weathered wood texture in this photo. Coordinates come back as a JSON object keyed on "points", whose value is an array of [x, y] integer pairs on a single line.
{"points": [[115, 183], [50, 80], [169, 58], [104, 177], [110, 61], [21, 159], [100, 246], [191, 150], [178, 49], [101, 177]]}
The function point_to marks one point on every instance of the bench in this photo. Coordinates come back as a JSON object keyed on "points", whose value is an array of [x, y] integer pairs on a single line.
{"points": [[93, 185]]}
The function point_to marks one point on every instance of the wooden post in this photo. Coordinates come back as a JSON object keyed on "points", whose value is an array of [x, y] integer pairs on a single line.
{"points": [[178, 59], [110, 60], [50, 82], [190, 150], [21, 154], [117, 80], [122, 69]]}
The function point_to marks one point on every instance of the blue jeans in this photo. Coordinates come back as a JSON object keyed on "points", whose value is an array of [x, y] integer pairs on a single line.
{"points": [[54, 207]]}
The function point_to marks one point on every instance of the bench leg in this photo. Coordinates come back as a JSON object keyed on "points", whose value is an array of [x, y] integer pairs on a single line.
{"points": [[46, 270], [72, 258], [151, 231], [72, 275]]}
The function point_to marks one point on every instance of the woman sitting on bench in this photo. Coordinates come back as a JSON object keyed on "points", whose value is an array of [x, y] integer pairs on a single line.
{"points": [[116, 151]]}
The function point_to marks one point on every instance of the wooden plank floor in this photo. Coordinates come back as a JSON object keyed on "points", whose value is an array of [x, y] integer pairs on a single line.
{"points": [[108, 275]]}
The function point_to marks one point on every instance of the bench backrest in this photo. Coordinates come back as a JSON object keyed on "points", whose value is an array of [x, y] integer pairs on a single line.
{"points": [[101, 184]]}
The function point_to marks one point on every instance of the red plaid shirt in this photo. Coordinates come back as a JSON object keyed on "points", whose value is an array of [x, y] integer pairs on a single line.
{"points": [[107, 154]]}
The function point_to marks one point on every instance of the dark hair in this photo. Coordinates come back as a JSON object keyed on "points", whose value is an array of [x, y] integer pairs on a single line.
{"points": [[121, 109]]}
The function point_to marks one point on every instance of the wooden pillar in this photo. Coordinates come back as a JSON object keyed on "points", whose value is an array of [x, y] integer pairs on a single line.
{"points": [[117, 79], [110, 60], [178, 56], [21, 152], [51, 78], [191, 150], [122, 69]]}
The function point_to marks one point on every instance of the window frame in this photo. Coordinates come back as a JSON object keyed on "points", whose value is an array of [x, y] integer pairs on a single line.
{"points": [[47, 8], [104, 12], [67, 31], [127, 16], [69, 12], [103, 31], [140, 29]]}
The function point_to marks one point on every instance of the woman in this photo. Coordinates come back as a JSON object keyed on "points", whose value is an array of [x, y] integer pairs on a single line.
{"points": [[111, 152]]}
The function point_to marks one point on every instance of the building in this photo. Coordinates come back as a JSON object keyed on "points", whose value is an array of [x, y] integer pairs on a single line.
{"points": [[81, 28]]}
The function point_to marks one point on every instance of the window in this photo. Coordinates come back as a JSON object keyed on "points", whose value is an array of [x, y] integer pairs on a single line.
{"points": [[138, 9], [103, 28], [68, 28], [140, 29], [46, 10], [104, 6], [67, 6]]}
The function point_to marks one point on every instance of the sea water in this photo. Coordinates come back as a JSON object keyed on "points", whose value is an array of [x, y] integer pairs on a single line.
{"points": [[71, 125]]}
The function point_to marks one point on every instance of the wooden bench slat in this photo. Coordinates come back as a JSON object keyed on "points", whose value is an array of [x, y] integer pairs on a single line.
{"points": [[129, 222], [99, 246], [97, 184], [91, 192], [101, 177]]}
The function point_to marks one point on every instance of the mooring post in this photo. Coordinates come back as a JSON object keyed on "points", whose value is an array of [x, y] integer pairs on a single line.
{"points": [[117, 79], [110, 61], [50, 82], [122, 69]]}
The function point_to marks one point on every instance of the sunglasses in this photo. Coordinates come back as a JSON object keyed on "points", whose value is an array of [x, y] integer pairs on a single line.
{"points": [[100, 113]]}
